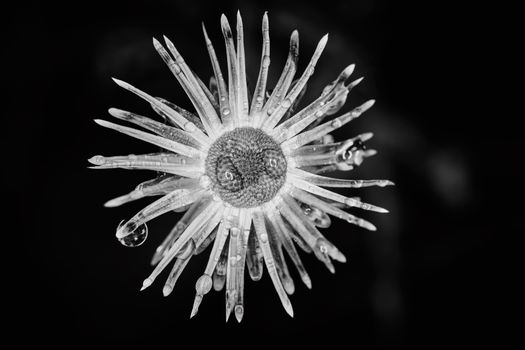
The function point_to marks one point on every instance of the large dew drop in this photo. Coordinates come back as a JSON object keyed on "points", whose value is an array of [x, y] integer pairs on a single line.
{"points": [[135, 238]]}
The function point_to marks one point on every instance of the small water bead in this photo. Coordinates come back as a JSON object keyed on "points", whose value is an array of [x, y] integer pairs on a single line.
{"points": [[190, 127], [204, 284], [132, 157], [266, 61], [286, 103], [259, 98], [310, 71], [264, 238], [226, 111], [228, 175], [205, 181], [336, 123], [135, 238]]}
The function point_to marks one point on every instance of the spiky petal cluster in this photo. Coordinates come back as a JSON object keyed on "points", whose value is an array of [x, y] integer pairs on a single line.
{"points": [[248, 233]]}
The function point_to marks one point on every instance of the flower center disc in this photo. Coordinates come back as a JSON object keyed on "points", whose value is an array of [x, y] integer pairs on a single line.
{"points": [[246, 167]]}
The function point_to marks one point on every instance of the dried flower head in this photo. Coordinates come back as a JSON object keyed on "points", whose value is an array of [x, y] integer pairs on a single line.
{"points": [[245, 171]]}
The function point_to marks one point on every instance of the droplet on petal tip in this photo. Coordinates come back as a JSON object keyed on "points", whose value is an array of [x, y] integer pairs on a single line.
{"points": [[218, 195]]}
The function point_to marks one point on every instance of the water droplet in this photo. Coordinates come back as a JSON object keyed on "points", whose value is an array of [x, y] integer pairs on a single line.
{"points": [[319, 114], [259, 98], [336, 123], [135, 238], [323, 249], [132, 157], [266, 61], [264, 238], [190, 127], [233, 261], [310, 71], [223, 99], [228, 175], [226, 111], [203, 284], [286, 103], [205, 181], [270, 111], [272, 162]]}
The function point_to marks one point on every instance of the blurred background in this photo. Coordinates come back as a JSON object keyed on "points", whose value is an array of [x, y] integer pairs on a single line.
{"points": [[430, 273]]}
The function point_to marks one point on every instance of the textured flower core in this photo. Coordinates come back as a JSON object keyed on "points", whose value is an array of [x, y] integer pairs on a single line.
{"points": [[246, 167]]}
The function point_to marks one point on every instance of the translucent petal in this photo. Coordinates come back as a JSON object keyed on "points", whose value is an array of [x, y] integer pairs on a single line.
{"points": [[170, 113], [158, 186], [262, 234], [241, 87], [294, 93], [165, 162], [325, 128], [286, 238], [254, 257], [153, 139], [194, 210], [169, 202], [334, 182], [260, 88], [319, 191], [221, 85], [233, 69], [210, 213], [283, 84], [160, 129]]}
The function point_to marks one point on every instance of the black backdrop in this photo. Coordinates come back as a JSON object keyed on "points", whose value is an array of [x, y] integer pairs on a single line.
{"points": [[427, 276]]}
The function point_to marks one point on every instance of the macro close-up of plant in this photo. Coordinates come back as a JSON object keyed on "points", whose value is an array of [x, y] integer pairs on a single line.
{"points": [[246, 168]]}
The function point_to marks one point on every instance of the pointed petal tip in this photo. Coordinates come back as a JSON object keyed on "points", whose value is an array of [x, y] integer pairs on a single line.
{"points": [[96, 160], [307, 281], [196, 304], [118, 81], [147, 282], [289, 309]]}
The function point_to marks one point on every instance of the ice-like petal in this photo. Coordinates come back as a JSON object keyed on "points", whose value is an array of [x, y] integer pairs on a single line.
{"points": [[283, 84], [169, 202], [210, 213], [195, 209], [277, 252], [165, 162], [286, 238], [170, 113], [281, 109], [325, 128], [158, 186], [262, 234], [334, 182], [161, 129], [254, 257], [154, 139], [233, 69], [331, 209], [221, 85], [260, 88], [240, 84]]}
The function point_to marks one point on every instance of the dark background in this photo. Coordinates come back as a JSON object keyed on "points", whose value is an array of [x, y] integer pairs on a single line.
{"points": [[432, 273]]}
